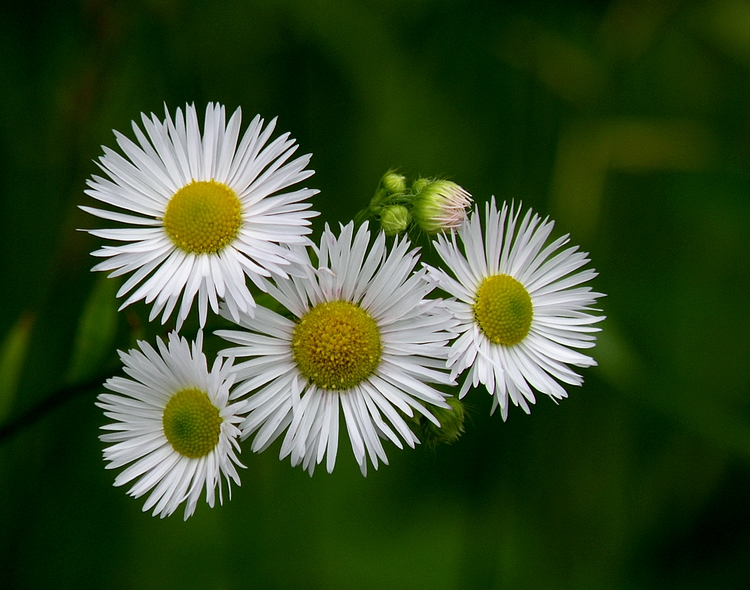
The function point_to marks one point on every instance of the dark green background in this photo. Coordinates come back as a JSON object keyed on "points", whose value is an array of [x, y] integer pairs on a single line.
{"points": [[628, 122]]}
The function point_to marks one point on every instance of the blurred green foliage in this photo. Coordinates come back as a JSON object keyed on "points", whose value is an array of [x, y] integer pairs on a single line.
{"points": [[627, 121]]}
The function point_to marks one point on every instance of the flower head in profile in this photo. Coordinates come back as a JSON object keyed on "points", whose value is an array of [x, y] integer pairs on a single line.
{"points": [[522, 310], [199, 212], [172, 425], [362, 340], [439, 205]]}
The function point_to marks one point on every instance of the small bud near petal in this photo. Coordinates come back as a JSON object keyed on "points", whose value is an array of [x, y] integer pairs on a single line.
{"points": [[395, 220], [439, 205], [451, 424]]}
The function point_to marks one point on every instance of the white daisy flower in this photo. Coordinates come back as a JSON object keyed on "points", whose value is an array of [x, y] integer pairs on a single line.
{"points": [[363, 340], [173, 425], [520, 308], [201, 212]]}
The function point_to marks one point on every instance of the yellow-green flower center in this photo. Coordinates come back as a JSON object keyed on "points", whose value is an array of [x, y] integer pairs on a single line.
{"points": [[503, 309], [336, 345], [192, 424], [203, 217]]}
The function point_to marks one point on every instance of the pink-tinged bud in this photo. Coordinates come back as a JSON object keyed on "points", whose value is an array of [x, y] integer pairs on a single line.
{"points": [[440, 205]]}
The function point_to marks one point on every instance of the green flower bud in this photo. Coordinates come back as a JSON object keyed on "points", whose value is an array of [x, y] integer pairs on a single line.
{"points": [[439, 205], [451, 424], [393, 182], [419, 185], [395, 219]]}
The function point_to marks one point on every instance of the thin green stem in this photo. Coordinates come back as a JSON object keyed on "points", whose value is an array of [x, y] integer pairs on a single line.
{"points": [[46, 406]]}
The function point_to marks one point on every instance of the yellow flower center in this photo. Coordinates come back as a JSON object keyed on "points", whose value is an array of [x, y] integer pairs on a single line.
{"points": [[336, 345], [192, 424], [503, 309], [203, 217]]}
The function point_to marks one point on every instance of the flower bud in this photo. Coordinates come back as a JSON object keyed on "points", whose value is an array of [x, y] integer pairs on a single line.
{"points": [[451, 424], [419, 185], [395, 220], [439, 205], [393, 182]]}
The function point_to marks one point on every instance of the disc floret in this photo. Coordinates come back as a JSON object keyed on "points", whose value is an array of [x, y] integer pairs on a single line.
{"points": [[503, 309], [203, 217], [336, 345], [192, 424]]}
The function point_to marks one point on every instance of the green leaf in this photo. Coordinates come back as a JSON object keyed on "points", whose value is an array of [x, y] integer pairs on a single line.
{"points": [[96, 332], [12, 357]]}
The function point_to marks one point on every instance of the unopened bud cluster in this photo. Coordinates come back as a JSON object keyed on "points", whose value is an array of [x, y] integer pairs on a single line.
{"points": [[429, 205]]}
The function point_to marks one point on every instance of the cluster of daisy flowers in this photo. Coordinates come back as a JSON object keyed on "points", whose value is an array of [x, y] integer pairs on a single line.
{"points": [[359, 327]]}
